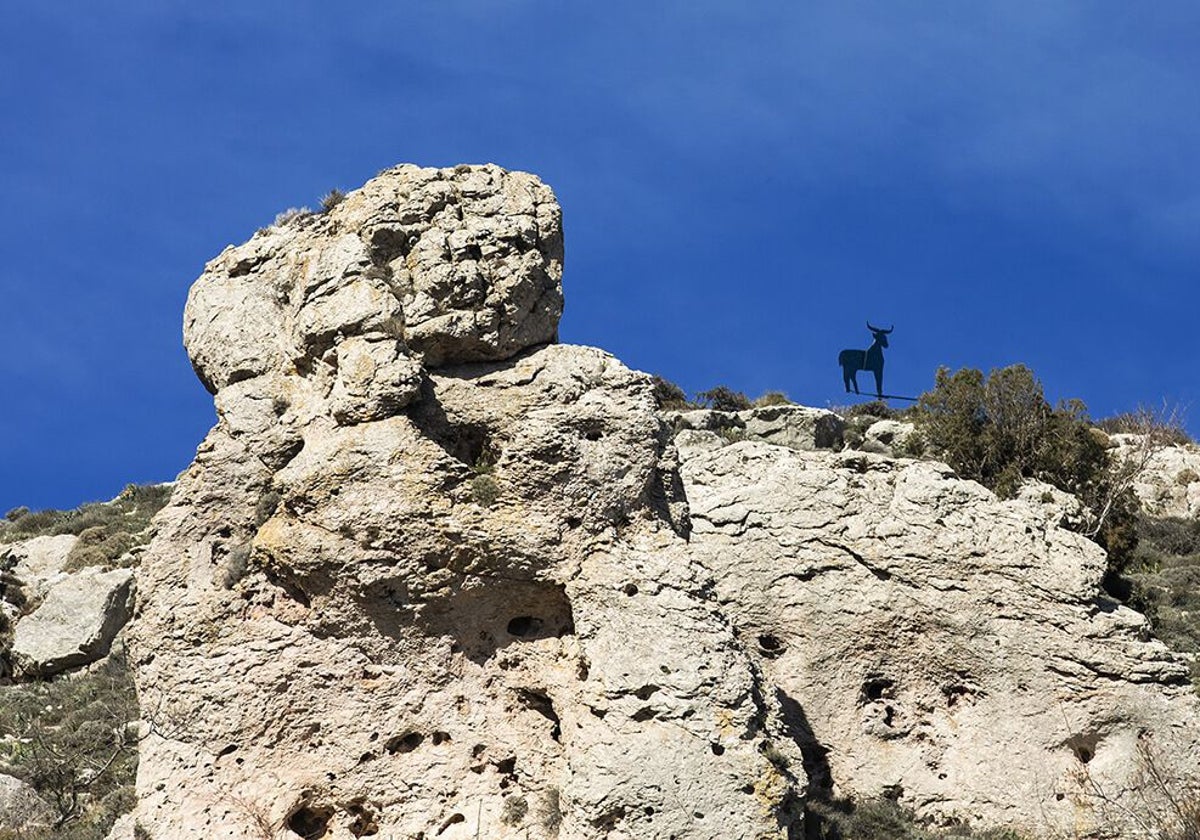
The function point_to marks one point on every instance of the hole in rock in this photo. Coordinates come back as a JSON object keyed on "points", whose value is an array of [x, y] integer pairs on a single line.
{"points": [[310, 821], [507, 766], [889, 714], [440, 738], [1084, 747], [1058, 797], [717, 749], [227, 750], [404, 743], [630, 589], [364, 822], [483, 615], [643, 714], [524, 625], [770, 645], [876, 688], [388, 244]]}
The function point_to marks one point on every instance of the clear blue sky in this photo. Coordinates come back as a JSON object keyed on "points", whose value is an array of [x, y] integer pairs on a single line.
{"points": [[743, 185]]}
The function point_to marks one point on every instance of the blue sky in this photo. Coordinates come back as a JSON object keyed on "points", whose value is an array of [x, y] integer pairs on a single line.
{"points": [[743, 185]]}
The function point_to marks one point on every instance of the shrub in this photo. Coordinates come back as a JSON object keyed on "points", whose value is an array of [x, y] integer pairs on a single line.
{"points": [[772, 398], [875, 409], [332, 199], [485, 490], [721, 398], [882, 819], [292, 214], [668, 396], [1165, 424], [999, 430]]}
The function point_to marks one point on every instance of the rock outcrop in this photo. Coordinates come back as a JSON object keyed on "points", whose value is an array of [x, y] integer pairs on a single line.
{"points": [[1169, 485], [428, 575], [937, 645], [433, 575]]}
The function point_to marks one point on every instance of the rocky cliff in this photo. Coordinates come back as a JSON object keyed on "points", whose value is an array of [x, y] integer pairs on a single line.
{"points": [[433, 575]]}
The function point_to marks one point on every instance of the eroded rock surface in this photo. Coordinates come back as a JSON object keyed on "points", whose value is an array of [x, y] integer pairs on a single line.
{"points": [[1170, 483], [428, 576], [937, 645], [434, 576]]}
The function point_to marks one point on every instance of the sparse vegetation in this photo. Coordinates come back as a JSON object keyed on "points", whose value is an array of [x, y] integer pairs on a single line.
{"points": [[292, 214], [883, 819], [999, 430], [772, 398], [514, 810], [669, 396], [549, 812], [107, 531], [70, 740], [722, 398], [332, 199]]}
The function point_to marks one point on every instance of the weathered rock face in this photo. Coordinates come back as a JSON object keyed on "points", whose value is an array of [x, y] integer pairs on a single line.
{"points": [[36, 563], [935, 644], [405, 592], [433, 576]]}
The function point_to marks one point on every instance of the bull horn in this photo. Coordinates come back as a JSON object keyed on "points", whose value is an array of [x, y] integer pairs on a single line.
{"points": [[885, 332]]}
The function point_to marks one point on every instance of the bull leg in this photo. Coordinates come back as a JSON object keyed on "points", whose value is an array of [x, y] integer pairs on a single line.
{"points": [[879, 384]]}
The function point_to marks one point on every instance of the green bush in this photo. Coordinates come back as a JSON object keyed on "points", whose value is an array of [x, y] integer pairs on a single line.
{"points": [[669, 396], [999, 430], [882, 819], [721, 398]]}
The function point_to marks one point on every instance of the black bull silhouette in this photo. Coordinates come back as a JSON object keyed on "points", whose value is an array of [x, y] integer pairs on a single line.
{"points": [[852, 361]]}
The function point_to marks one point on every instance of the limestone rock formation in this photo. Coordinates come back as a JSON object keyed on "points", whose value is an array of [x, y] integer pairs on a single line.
{"points": [[37, 562], [433, 575], [794, 426], [934, 644], [76, 624], [1170, 483], [428, 575]]}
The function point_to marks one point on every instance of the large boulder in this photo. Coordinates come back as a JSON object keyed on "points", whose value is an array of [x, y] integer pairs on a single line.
{"points": [[75, 624], [37, 562]]}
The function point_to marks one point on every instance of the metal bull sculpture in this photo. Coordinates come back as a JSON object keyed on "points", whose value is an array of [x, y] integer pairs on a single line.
{"points": [[852, 361]]}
